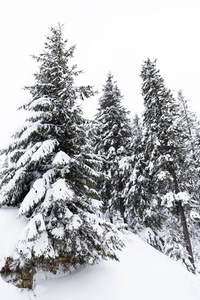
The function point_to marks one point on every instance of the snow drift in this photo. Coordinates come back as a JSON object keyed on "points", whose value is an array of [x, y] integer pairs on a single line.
{"points": [[142, 273]]}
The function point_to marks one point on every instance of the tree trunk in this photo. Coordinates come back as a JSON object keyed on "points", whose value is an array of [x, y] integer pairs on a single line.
{"points": [[183, 220], [122, 208]]}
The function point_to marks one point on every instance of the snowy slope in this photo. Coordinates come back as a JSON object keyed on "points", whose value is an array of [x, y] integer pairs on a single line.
{"points": [[142, 274]]}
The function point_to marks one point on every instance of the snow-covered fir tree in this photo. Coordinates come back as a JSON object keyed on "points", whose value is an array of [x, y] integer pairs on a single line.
{"points": [[158, 196], [190, 122], [51, 169], [138, 213], [141, 206], [113, 143], [136, 129]]}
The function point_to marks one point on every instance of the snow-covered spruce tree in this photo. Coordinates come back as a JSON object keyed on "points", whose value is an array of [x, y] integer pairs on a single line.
{"points": [[190, 122], [159, 194], [51, 169], [113, 142], [141, 204], [136, 129]]}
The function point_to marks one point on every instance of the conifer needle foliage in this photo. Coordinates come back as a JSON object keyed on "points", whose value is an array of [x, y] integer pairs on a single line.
{"points": [[50, 169]]}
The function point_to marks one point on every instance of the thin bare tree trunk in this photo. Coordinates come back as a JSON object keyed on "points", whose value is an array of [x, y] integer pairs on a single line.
{"points": [[183, 220]]}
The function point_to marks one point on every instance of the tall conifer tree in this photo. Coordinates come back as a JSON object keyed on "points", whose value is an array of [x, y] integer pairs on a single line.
{"points": [[160, 191], [113, 142], [51, 169]]}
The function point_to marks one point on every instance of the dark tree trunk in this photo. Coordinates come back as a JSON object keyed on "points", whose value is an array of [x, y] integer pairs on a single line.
{"points": [[122, 208], [183, 220]]}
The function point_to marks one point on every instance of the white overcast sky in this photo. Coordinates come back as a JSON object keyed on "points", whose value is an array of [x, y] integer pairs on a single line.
{"points": [[110, 35]]}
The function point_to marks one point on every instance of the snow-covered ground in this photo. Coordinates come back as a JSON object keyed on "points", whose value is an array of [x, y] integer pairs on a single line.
{"points": [[142, 274]]}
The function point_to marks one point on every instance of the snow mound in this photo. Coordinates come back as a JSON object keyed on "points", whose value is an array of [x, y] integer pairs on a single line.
{"points": [[142, 273]]}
